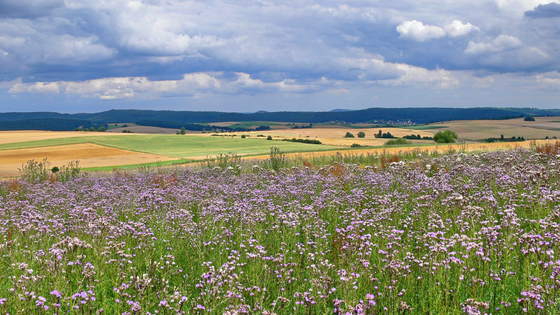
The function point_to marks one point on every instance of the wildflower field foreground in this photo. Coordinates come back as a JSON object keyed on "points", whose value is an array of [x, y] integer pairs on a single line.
{"points": [[475, 234]]}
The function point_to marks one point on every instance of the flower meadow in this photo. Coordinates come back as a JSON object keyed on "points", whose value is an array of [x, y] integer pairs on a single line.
{"points": [[461, 233]]}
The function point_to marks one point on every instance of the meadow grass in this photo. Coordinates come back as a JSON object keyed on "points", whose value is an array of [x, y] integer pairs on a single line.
{"points": [[433, 234]]}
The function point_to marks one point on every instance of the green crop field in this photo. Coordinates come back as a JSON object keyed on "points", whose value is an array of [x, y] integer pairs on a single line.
{"points": [[176, 146]]}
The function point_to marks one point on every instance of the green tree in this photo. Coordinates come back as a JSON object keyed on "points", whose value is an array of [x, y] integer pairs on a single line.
{"points": [[182, 130], [91, 129], [446, 136], [269, 138], [101, 129], [361, 134], [349, 135]]}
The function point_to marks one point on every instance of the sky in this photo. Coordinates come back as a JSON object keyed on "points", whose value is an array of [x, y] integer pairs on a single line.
{"points": [[249, 55]]}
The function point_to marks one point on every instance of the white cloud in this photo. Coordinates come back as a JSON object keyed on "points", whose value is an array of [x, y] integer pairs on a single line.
{"points": [[483, 83], [417, 31], [549, 81], [38, 87], [422, 78], [457, 28], [506, 42], [124, 87], [501, 43], [380, 72]]}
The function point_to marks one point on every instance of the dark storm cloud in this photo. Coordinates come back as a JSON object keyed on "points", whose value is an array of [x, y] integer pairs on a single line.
{"points": [[28, 9], [551, 10], [249, 46]]}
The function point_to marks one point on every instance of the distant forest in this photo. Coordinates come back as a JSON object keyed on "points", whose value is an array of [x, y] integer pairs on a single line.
{"points": [[52, 124], [190, 119]]}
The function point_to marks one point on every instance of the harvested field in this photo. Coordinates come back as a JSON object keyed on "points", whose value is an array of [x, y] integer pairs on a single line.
{"points": [[335, 135], [38, 135], [399, 150], [482, 129], [89, 155]]}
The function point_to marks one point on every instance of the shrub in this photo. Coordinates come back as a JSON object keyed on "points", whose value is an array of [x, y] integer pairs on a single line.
{"points": [[361, 134], [447, 136], [269, 138], [529, 118], [34, 171], [91, 129], [101, 129], [398, 141], [277, 159], [182, 132], [243, 136], [224, 160], [69, 171], [355, 145], [308, 141], [349, 135]]}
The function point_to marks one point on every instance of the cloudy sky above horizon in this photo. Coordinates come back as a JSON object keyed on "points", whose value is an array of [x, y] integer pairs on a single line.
{"points": [[249, 55]]}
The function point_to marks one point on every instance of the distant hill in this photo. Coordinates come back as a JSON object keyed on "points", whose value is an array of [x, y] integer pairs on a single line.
{"points": [[370, 115], [53, 124]]}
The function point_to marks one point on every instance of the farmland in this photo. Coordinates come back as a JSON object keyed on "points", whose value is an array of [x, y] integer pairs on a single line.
{"points": [[126, 149], [439, 234], [149, 145]]}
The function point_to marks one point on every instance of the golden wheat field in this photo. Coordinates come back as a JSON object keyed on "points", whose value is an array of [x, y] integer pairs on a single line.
{"points": [[335, 135], [89, 155]]}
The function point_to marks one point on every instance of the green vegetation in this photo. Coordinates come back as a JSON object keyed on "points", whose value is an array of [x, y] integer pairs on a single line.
{"points": [[309, 141], [137, 166], [529, 118], [52, 124], [223, 161], [381, 134], [397, 141], [35, 172], [348, 135], [101, 129], [417, 137], [447, 136], [502, 139], [361, 134], [277, 159], [116, 126]]}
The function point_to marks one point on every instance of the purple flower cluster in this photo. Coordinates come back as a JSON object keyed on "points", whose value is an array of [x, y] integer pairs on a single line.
{"points": [[462, 233]]}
